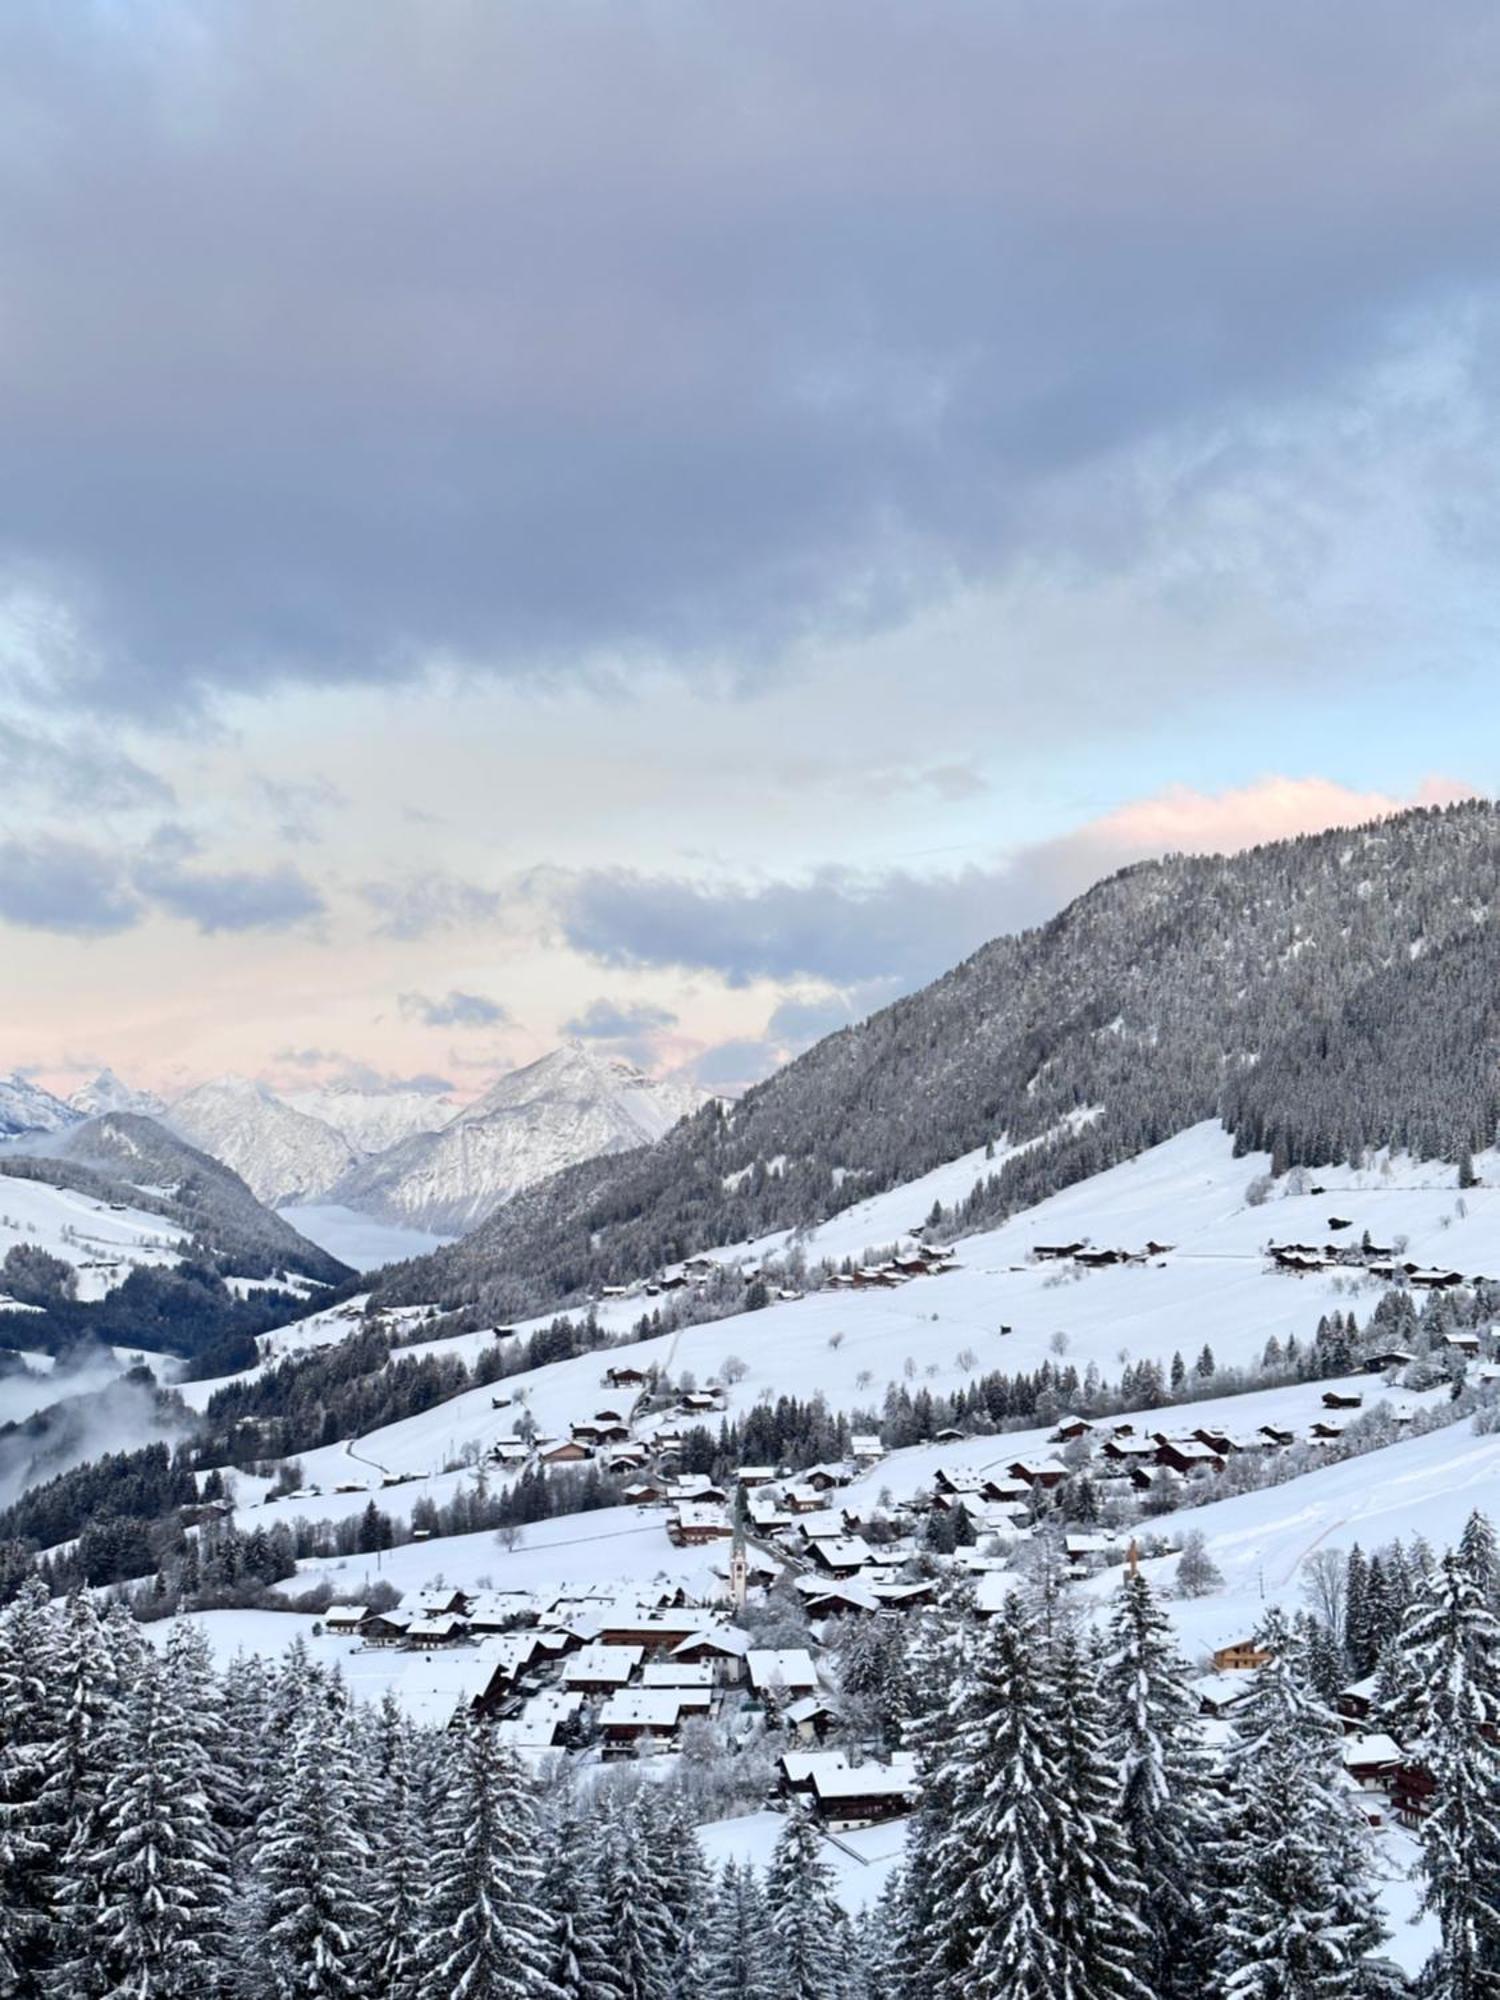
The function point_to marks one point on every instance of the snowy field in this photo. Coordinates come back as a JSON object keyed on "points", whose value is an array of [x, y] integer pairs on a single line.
{"points": [[101, 1242]]}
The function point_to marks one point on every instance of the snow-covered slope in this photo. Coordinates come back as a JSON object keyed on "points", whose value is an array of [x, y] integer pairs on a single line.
{"points": [[108, 1092], [372, 1120], [280, 1153], [26, 1107], [572, 1105]]}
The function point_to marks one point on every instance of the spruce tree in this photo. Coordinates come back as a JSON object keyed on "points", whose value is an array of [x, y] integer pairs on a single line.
{"points": [[29, 1652], [1151, 1723], [400, 1878], [737, 1952], [1451, 1649], [809, 1950], [486, 1934], [642, 1939], [577, 1965]]}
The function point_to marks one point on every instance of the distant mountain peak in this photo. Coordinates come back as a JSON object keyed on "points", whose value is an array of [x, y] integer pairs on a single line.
{"points": [[26, 1107], [108, 1093]]}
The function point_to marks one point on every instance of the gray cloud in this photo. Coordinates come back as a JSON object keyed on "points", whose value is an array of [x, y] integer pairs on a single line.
{"points": [[426, 903], [272, 899], [616, 1021], [454, 1010], [733, 1066], [686, 332], [75, 770], [64, 886]]}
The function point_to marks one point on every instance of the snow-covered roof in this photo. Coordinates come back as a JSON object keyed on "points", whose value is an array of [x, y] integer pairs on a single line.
{"points": [[1377, 1748], [597, 1666], [781, 1666]]}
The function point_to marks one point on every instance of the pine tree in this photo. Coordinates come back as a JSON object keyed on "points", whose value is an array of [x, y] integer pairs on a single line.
{"points": [[1298, 1917], [486, 1934], [577, 1965], [308, 1913], [1151, 1719], [642, 1939], [29, 1647], [737, 1955], [1451, 1650], [399, 1880], [159, 1873], [76, 1766], [809, 1949]]}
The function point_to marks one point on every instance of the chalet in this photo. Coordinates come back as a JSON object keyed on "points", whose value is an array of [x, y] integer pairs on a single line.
{"points": [[1298, 1257], [949, 1434], [1155, 1249], [1342, 1399], [659, 1631], [1388, 1357], [696, 1486], [625, 1458], [1188, 1455], [1088, 1551], [1098, 1260], [825, 1598], [862, 1795], [699, 1402], [796, 1769], [946, 1481], [1372, 1761], [827, 1525], [433, 1602], [541, 1721], [809, 1718], [1071, 1428], [751, 1476], [563, 1451], [636, 1715], [592, 1432], [643, 1492], [598, 1668], [1412, 1790], [779, 1672], [1278, 1434], [1043, 1472], [1327, 1430], [1127, 1450], [445, 1628], [675, 1673], [1053, 1253], [1356, 1701], [897, 1596], [510, 1451], [1435, 1281], [826, 1477], [867, 1448], [803, 1498], [626, 1377], [724, 1648], [1462, 1343], [1221, 1694], [846, 1556], [345, 1618], [1237, 1655], [766, 1513], [693, 1523], [500, 1610]]}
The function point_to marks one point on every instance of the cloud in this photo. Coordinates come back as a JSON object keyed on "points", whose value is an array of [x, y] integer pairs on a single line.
{"points": [[351, 1073], [854, 306], [273, 899], [74, 770], [894, 929], [454, 1010], [431, 902], [64, 886], [733, 1066], [301, 806], [614, 1021]]}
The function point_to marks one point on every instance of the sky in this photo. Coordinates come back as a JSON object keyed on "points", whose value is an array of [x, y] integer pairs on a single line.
{"points": [[672, 524]]}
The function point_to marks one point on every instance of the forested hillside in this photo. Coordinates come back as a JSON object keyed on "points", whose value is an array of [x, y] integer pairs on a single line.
{"points": [[1292, 990]]}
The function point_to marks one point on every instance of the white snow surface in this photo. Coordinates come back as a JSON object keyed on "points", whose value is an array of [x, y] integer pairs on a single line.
{"points": [[372, 1120], [26, 1107], [108, 1093], [101, 1242], [282, 1155]]}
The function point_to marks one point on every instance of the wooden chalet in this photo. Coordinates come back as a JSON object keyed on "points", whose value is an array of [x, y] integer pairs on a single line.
{"points": [[1342, 1399], [1237, 1655], [626, 1377], [693, 1524], [1188, 1455], [1043, 1472]]}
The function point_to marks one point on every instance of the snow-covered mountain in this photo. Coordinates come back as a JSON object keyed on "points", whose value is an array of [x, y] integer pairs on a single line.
{"points": [[108, 1093], [372, 1120], [572, 1105], [281, 1154], [26, 1107]]}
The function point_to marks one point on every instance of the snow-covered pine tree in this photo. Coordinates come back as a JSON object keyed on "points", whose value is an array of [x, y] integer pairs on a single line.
{"points": [[29, 1645], [485, 1936], [641, 1937], [991, 1915], [1101, 1941], [736, 1950], [76, 1765], [672, 1841], [1298, 1918], [1153, 1739], [159, 1877], [307, 1915], [577, 1963], [1451, 1650], [807, 1927], [399, 1877]]}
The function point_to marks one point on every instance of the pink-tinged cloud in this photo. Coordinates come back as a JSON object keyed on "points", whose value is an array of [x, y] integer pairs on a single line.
{"points": [[1181, 820]]}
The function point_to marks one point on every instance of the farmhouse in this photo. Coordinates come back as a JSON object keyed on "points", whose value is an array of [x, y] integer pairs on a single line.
{"points": [[696, 1522], [781, 1671]]}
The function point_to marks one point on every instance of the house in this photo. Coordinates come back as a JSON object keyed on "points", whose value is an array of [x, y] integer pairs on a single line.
{"points": [[826, 1477], [1043, 1472], [626, 1377], [780, 1671], [1070, 1428], [510, 1451], [597, 1668], [385, 1628], [541, 1721], [846, 1796], [1221, 1694], [1412, 1789], [1125, 1449], [1372, 1761], [826, 1598], [1278, 1434], [658, 1631], [675, 1673], [444, 1629], [796, 1768], [803, 1498], [752, 1476], [1342, 1399], [1188, 1455], [644, 1492], [1462, 1343], [563, 1451], [845, 1556], [345, 1618], [723, 1648], [1388, 1357], [1089, 1551], [867, 1448], [433, 1602], [695, 1522], [809, 1718], [1356, 1701], [636, 1715], [1327, 1429], [1235, 1655], [1052, 1253]]}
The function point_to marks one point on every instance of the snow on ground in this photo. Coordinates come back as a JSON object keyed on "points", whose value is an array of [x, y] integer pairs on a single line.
{"points": [[101, 1242], [358, 1240], [617, 1546], [862, 1861], [319, 1329]]}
